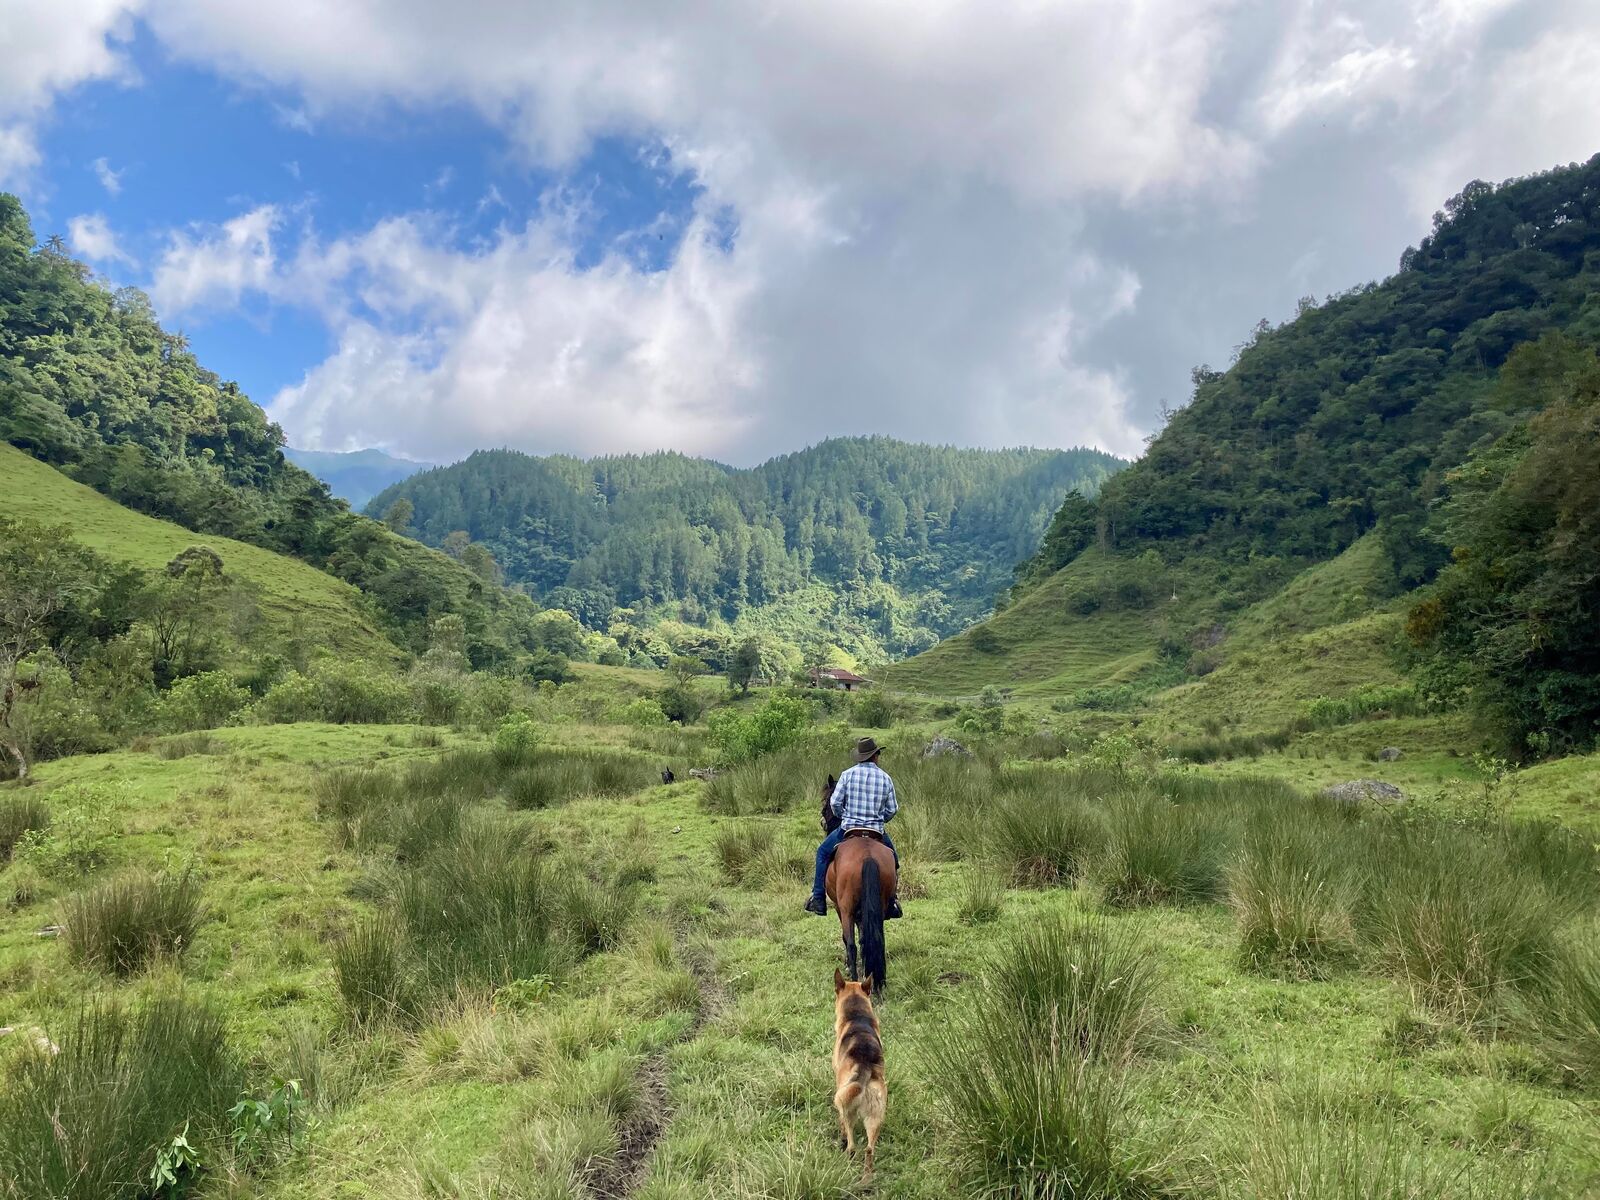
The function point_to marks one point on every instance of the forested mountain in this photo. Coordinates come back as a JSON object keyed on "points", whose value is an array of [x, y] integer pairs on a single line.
{"points": [[91, 383], [1345, 418], [1450, 412], [354, 476], [910, 542]]}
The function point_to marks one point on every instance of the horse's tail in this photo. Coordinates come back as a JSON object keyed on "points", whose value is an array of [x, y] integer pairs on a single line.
{"points": [[871, 922]]}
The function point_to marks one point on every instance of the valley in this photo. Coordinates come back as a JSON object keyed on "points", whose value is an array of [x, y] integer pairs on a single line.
{"points": [[339, 857]]}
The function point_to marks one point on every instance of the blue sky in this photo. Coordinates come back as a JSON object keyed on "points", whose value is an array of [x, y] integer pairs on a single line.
{"points": [[188, 146], [736, 229]]}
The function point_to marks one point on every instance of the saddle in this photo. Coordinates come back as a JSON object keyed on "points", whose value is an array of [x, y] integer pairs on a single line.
{"points": [[862, 833]]}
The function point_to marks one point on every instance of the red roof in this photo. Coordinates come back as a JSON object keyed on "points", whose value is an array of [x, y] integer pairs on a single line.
{"points": [[842, 675]]}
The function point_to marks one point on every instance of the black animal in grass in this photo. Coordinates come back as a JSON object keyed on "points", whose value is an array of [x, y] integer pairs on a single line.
{"points": [[667, 776]]}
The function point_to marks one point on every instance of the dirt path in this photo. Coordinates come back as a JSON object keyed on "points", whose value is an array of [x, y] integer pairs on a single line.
{"points": [[641, 1132]]}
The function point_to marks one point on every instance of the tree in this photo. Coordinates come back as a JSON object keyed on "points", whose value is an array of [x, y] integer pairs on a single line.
{"points": [[44, 574], [455, 543], [398, 515], [745, 664], [182, 611], [679, 700], [477, 559]]}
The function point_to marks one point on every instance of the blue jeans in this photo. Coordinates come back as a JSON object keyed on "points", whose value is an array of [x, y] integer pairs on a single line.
{"points": [[819, 886]]}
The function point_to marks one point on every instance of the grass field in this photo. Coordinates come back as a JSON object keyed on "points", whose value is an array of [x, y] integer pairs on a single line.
{"points": [[687, 1057], [1041, 646], [298, 601]]}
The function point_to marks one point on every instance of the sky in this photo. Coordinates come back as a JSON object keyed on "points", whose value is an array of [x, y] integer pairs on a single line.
{"points": [[735, 228]]}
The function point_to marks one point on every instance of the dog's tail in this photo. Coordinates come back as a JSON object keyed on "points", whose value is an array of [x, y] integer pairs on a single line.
{"points": [[871, 922]]}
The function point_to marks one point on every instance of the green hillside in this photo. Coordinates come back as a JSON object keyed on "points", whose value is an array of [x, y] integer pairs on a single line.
{"points": [[912, 541], [1285, 519], [299, 603]]}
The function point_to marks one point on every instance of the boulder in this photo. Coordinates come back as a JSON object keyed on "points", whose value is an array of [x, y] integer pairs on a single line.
{"points": [[1390, 754], [706, 773], [942, 745], [1374, 791]]}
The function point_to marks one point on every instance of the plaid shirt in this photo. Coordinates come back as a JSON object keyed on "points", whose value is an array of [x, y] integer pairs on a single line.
{"points": [[864, 797]]}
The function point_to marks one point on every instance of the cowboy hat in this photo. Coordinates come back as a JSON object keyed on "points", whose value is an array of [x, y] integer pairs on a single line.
{"points": [[866, 749]]}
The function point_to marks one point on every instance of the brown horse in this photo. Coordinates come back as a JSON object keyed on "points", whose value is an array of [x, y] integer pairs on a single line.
{"points": [[861, 878]]}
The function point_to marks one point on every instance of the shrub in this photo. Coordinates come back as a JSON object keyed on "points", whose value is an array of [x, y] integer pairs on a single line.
{"points": [[124, 924], [778, 723], [1451, 918], [439, 694], [643, 713], [1157, 852], [85, 1123], [20, 814], [1294, 890], [358, 693], [515, 740], [202, 701], [553, 778], [78, 837], [293, 698], [873, 710], [186, 744]]}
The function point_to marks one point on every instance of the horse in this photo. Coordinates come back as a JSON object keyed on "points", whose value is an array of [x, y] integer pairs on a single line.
{"points": [[860, 880]]}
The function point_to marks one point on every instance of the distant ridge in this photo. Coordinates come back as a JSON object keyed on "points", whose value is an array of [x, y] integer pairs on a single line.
{"points": [[356, 476]]}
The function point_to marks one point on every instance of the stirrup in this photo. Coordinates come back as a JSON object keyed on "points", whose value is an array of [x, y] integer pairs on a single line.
{"points": [[893, 912]]}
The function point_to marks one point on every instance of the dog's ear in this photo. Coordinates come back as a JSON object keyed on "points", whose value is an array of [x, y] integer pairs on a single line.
{"points": [[866, 984], [832, 781], [838, 981]]}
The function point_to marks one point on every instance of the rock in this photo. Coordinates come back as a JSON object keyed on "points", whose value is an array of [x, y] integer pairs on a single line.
{"points": [[40, 1038], [942, 745], [1355, 791], [1390, 754], [707, 773]]}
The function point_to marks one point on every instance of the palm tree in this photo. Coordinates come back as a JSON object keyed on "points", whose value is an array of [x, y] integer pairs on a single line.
{"points": [[55, 245]]}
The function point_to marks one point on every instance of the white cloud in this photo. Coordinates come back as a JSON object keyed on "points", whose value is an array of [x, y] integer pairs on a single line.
{"points": [[1536, 110], [218, 266], [109, 179], [91, 236], [51, 46], [976, 220]]}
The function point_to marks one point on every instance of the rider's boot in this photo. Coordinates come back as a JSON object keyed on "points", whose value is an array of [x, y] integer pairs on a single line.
{"points": [[892, 912], [818, 905]]}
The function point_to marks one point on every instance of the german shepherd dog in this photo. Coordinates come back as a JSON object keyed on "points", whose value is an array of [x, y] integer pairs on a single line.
{"points": [[860, 1093]]}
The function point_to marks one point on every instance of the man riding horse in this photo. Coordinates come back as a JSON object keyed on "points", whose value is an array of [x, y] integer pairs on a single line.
{"points": [[863, 799]]}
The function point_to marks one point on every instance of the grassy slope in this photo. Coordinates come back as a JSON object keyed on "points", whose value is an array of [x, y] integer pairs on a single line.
{"points": [[297, 600], [741, 1052], [1044, 647]]}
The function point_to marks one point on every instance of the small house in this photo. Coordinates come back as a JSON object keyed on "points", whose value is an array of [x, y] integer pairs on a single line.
{"points": [[838, 679]]}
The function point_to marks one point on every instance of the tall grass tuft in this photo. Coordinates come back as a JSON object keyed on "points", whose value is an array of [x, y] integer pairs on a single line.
{"points": [[85, 1123], [1317, 1151], [738, 846], [774, 783], [480, 910], [1157, 852], [1295, 890], [1092, 982], [1035, 1102], [983, 896], [19, 814], [1450, 917], [124, 924], [372, 968], [1036, 1098], [1565, 1015], [1044, 837]]}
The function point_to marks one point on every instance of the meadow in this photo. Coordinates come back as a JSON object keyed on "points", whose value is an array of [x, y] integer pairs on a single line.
{"points": [[435, 962]]}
